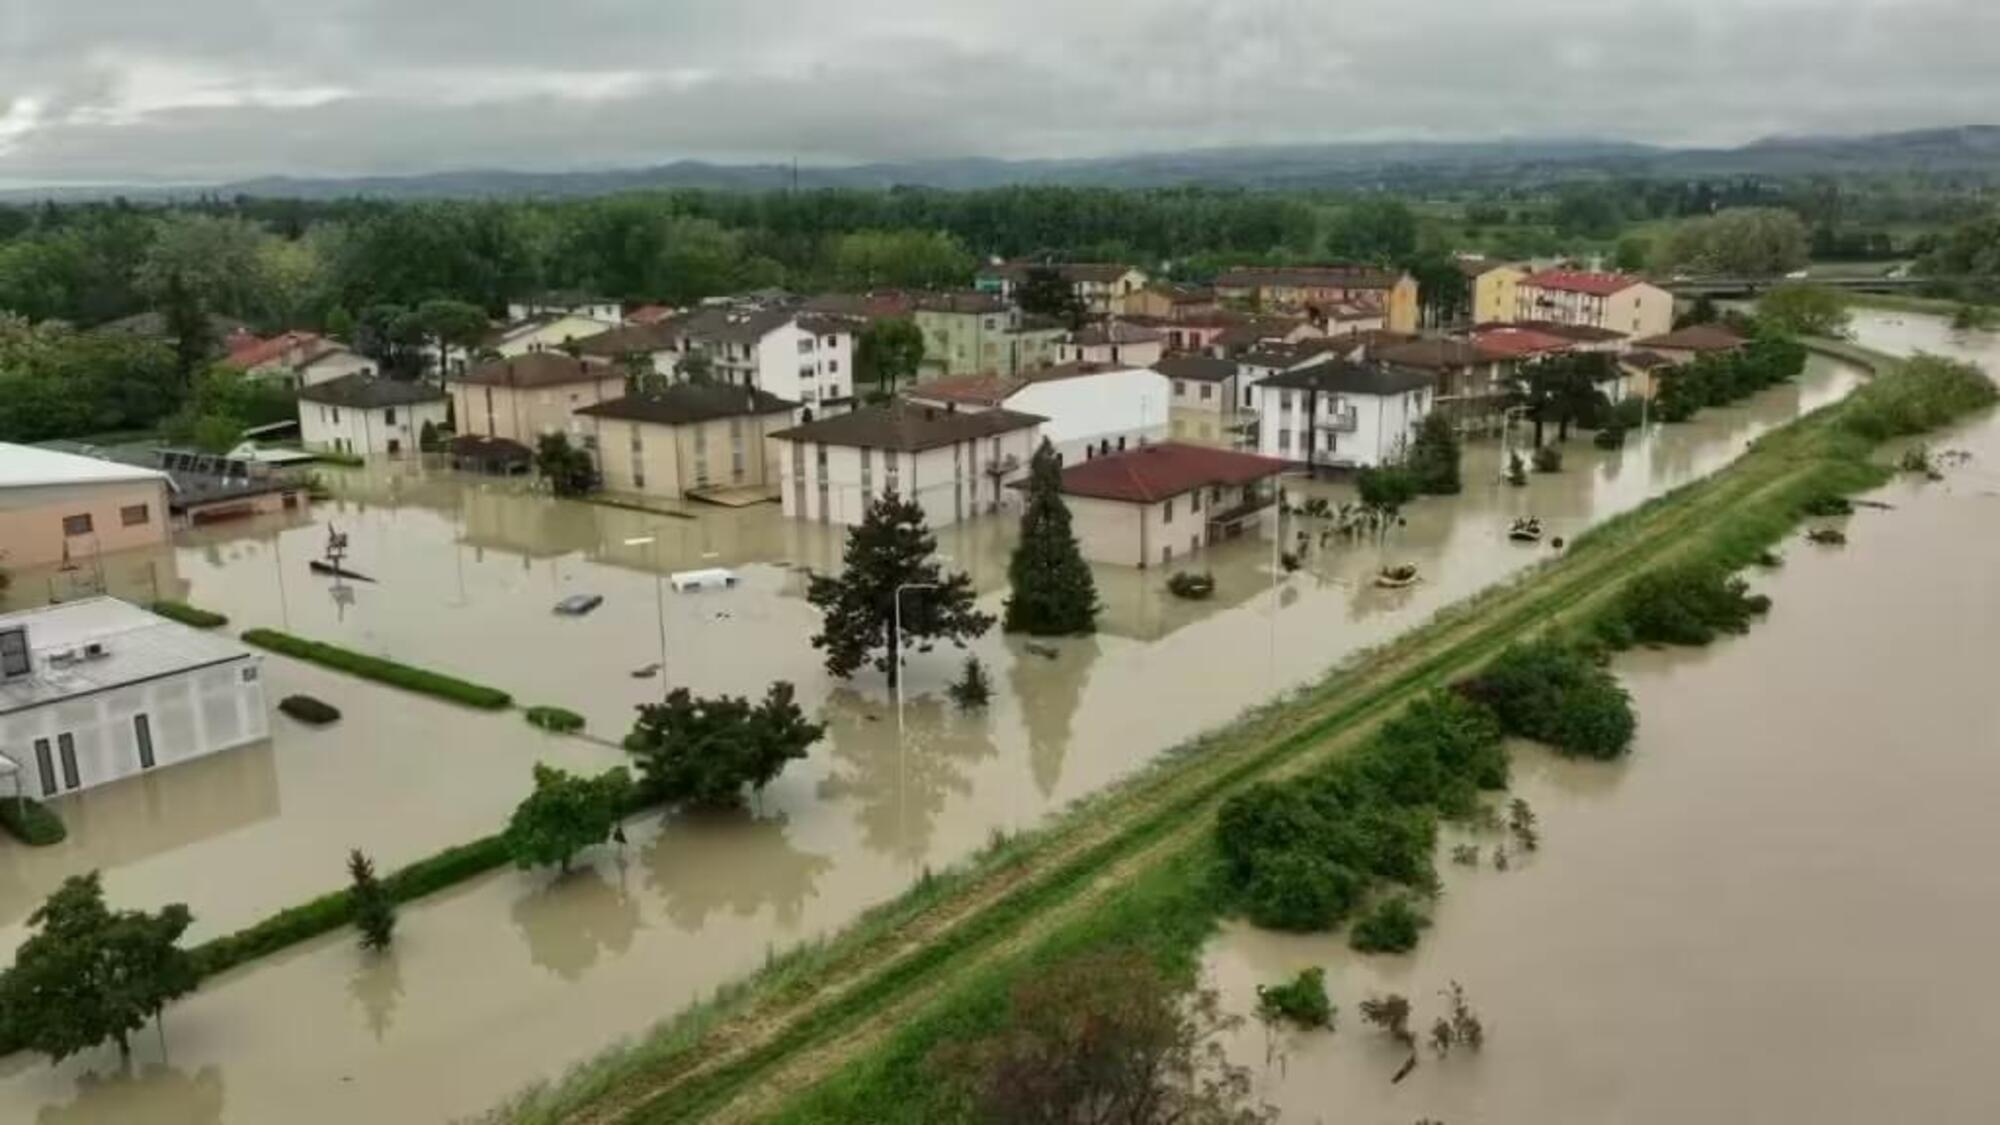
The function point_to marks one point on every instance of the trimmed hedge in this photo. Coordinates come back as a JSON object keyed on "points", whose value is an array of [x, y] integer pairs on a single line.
{"points": [[308, 710], [189, 615], [347, 460], [555, 719], [380, 670], [31, 822]]}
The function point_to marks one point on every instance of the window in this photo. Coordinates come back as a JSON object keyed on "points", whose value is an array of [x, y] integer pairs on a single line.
{"points": [[1194, 502], [46, 766], [1284, 441], [1207, 392], [336, 415], [142, 729], [14, 659], [1166, 555], [833, 367], [66, 748], [867, 470], [77, 525], [1180, 388], [805, 344], [1167, 515], [135, 515], [389, 416]]}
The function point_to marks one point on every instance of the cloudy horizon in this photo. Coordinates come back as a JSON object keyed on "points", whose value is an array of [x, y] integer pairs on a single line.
{"points": [[215, 90]]}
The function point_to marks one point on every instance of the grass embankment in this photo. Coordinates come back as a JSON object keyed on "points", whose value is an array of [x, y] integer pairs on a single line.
{"points": [[1903, 302], [380, 670], [840, 1031], [189, 615]]}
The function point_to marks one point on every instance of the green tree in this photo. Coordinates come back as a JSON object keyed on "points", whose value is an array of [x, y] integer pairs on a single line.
{"points": [[706, 751], [695, 367], [1054, 592], [1044, 291], [888, 351], [568, 468], [974, 688], [447, 324], [1434, 456], [921, 259], [1588, 211], [566, 814], [188, 326], [374, 910], [1738, 242], [1380, 230], [340, 323], [1807, 310], [393, 337], [1633, 253], [224, 403], [889, 557], [90, 973]]}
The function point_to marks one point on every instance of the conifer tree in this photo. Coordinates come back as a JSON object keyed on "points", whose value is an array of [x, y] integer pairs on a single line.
{"points": [[890, 551], [1054, 593]]}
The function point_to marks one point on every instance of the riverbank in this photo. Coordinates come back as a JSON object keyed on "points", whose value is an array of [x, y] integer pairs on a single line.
{"points": [[1126, 865]]}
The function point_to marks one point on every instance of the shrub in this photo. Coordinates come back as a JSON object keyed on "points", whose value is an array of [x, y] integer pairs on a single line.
{"points": [[1434, 456], [1610, 437], [1517, 470], [1300, 892], [974, 688], [1301, 1000], [705, 751], [380, 670], [555, 719], [1193, 587], [1386, 488], [1548, 459], [346, 460], [1681, 605], [1629, 413], [374, 912], [1826, 506], [1390, 926], [308, 710], [1919, 395], [1555, 693], [31, 822], [565, 814], [189, 615]]}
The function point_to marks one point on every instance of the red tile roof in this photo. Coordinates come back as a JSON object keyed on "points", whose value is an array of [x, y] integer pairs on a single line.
{"points": [[1577, 281], [1503, 342], [649, 314], [972, 390], [1153, 473], [250, 353]]}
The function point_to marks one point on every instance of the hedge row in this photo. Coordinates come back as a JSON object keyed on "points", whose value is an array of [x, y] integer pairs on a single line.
{"points": [[380, 670], [31, 822], [555, 719], [189, 615], [306, 709]]}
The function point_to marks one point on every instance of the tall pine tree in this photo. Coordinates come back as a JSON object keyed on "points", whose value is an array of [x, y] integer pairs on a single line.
{"points": [[1054, 593], [891, 550]]}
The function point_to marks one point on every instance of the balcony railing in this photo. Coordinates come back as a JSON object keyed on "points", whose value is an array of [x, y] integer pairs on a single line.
{"points": [[1250, 506], [1340, 421], [1003, 466]]}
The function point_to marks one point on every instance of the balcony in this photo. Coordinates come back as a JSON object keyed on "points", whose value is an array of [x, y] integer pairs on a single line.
{"points": [[1250, 506], [1338, 421], [1003, 466]]}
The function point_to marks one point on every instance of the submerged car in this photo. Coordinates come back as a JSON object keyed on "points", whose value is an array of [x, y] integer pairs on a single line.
{"points": [[576, 605]]}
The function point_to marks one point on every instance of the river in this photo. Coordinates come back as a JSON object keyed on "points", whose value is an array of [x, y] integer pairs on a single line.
{"points": [[514, 976], [1779, 908]]}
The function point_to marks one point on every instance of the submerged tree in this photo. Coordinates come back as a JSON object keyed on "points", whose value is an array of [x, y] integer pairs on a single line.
{"points": [[974, 688], [887, 352], [1434, 455], [888, 557], [91, 973], [1054, 593], [568, 468], [374, 911], [705, 751], [566, 814]]}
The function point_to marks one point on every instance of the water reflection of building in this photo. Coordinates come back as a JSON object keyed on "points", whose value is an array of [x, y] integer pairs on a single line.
{"points": [[1049, 690], [900, 785], [704, 862], [1137, 604], [571, 919]]}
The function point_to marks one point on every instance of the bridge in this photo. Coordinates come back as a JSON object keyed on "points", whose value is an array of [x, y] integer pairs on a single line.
{"points": [[1751, 286]]}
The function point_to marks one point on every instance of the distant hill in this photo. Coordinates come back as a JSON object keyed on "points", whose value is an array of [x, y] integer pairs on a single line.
{"points": [[1972, 150]]}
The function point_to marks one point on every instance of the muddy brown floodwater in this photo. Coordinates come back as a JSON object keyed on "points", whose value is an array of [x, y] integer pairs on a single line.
{"points": [[514, 976], [1781, 908]]}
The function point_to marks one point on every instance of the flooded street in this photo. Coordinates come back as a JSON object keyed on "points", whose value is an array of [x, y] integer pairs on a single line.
{"points": [[516, 975], [1779, 908]]}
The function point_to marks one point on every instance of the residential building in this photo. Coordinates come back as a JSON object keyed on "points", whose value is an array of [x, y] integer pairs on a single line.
{"points": [[1113, 342], [689, 439], [295, 359], [649, 314], [1471, 384], [603, 310], [522, 398], [1341, 414], [1494, 289], [96, 690], [206, 487], [983, 333], [56, 507], [369, 416], [1621, 303], [805, 358], [1353, 319], [863, 308], [1305, 288], [1086, 409], [957, 464], [1165, 503], [1683, 345], [1640, 368], [1510, 342], [1197, 334], [1259, 363], [1104, 288], [1201, 382], [1173, 301], [1248, 333]]}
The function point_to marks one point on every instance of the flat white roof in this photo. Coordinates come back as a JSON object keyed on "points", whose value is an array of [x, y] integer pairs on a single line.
{"points": [[138, 646], [27, 466]]}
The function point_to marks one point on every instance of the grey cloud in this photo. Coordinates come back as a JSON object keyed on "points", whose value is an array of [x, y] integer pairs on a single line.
{"points": [[186, 90]]}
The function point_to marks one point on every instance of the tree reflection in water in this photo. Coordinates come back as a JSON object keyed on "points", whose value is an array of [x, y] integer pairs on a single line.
{"points": [[377, 986], [1048, 692], [900, 789], [157, 1094], [570, 919], [702, 862]]}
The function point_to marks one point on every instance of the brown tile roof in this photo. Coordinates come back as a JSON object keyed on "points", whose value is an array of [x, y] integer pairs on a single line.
{"points": [[369, 392], [649, 314], [908, 426], [970, 304], [1579, 281], [885, 305], [1644, 360], [685, 403], [1581, 333], [1152, 473], [1310, 277], [1506, 341], [1102, 273], [1695, 338], [1433, 355], [973, 390], [538, 369], [653, 337], [1201, 368]]}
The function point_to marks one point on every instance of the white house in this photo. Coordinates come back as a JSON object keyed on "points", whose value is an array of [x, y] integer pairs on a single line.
{"points": [[368, 416], [956, 463], [1341, 413], [805, 358], [95, 690], [604, 310], [1115, 343], [295, 359], [1089, 410]]}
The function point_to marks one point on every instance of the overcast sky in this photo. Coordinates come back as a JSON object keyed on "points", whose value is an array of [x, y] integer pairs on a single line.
{"points": [[209, 90]]}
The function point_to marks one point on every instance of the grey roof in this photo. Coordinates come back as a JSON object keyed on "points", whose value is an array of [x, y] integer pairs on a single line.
{"points": [[137, 646], [686, 403], [1340, 376], [1204, 368], [909, 427], [538, 369], [1432, 354], [369, 392], [655, 337], [1304, 277], [972, 304]]}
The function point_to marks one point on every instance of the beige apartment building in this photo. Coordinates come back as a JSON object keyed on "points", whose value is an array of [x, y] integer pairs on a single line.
{"points": [[57, 507], [1611, 302], [688, 439], [522, 398], [1160, 505], [1496, 287]]}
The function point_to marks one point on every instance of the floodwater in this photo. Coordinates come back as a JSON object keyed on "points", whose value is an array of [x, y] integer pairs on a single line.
{"points": [[1779, 908], [514, 976]]}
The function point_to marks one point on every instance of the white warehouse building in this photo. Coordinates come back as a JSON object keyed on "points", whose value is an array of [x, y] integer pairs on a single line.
{"points": [[97, 690]]}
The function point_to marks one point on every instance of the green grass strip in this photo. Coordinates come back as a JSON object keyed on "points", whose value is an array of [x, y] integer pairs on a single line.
{"points": [[380, 670]]}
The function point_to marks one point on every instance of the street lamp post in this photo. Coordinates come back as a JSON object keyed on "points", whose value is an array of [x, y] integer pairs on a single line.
{"points": [[660, 597], [897, 656]]}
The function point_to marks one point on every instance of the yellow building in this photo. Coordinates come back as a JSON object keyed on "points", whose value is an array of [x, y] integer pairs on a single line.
{"points": [[1495, 290], [688, 438], [1302, 289]]}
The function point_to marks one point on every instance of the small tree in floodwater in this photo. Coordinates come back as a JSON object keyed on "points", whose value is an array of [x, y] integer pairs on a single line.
{"points": [[974, 688], [374, 911], [1521, 822], [889, 558], [707, 751], [1054, 592], [1104, 1037], [1390, 1014], [566, 814]]}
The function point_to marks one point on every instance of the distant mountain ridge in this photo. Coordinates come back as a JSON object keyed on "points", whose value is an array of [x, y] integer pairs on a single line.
{"points": [[1970, 149]]}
